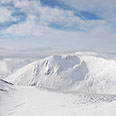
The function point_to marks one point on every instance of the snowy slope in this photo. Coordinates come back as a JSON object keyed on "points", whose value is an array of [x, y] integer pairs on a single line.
{"points": [[10, 65], [80, 72], [32, 101], [6, 91], [7, 101], [5, 86]]}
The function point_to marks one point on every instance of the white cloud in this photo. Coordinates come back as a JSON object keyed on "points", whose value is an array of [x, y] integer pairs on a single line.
{"points": [[87, 33], [6, 15], [40, 17], [27, 28], [104, 8]]}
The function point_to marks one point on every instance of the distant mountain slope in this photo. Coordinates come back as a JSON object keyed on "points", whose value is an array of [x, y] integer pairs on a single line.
{"points": [[10, 65], [80, 72]]}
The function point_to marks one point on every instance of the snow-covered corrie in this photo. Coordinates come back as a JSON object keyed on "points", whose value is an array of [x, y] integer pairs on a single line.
{"points": [[80, 72]]}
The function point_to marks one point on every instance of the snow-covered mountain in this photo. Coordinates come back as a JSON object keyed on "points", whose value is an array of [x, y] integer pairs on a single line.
{"points": [[10, 65], [83, 83], [89, 73]]}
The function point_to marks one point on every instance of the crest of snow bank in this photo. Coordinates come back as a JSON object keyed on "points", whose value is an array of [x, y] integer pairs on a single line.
{"points": [[80, 72]]}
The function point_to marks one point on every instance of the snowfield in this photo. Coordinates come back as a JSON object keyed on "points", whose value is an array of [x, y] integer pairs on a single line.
{"points": [[32, 101], [78, 84]]}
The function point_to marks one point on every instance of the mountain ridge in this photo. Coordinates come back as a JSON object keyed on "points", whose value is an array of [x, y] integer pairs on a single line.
{"points": [[82, 72]]}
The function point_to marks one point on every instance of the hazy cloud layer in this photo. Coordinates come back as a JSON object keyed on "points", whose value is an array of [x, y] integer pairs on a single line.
{"points": [[82, 25]]}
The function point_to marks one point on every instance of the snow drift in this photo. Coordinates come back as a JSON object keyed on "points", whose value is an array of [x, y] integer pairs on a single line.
{"points": [[80, 72]]}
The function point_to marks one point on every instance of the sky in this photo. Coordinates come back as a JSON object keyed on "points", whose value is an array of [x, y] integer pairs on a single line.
{"points": [[29, 27]]}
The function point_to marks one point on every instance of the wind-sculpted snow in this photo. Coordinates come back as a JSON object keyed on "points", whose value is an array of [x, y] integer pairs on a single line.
{"points": [[80, 72]]}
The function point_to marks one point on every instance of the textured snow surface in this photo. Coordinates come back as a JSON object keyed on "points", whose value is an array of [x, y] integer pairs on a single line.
{"points": [[88, 73], [32, 101]]}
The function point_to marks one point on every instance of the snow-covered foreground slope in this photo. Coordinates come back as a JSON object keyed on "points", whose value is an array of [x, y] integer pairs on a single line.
{"points": [[88, 73], [6, 95], [32, 101], [10, 65], [5, 87]]}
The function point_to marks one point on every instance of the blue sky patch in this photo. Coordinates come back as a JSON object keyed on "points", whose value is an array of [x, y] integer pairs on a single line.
{"points": [[56, 26], [54, 3], [63, 27], [8, 5], [87, 15], [6, 25], [20, 15]]}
